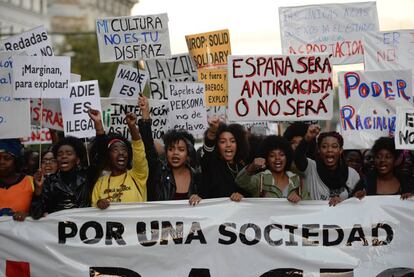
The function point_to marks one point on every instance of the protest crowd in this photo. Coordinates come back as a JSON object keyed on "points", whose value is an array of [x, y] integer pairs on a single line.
{"points": [[140, 144]]}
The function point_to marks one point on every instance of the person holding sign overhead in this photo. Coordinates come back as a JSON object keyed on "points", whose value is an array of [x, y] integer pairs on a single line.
{"points": [[384, 180], [327, 177], [129, 169], [269, 175], [173, 178], [72, 185], [222, 158]]}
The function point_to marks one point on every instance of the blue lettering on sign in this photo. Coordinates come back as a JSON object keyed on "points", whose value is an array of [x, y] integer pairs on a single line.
{"points": [[103, 24], [112, 39]]}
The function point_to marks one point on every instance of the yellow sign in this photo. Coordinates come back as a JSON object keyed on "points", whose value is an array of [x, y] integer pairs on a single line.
{"points": [[215, 81], [209, 49]]}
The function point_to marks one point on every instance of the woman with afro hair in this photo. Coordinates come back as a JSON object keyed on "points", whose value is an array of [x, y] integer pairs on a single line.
{"points": [[269, 175]]}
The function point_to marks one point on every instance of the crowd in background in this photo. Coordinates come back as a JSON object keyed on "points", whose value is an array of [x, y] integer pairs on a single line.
{"points": [[303, 164]]}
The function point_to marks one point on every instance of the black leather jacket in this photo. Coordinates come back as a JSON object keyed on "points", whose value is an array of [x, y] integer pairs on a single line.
{"points": [[62, 191]]}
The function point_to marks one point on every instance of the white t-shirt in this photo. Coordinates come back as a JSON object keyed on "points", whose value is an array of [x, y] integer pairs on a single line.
{"points": [[318, 190]]}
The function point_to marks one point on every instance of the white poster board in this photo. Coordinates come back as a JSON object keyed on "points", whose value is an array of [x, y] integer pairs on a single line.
{"points": [[14, 117], [178, 68], [404, 132], [129, 82], [335, 29], [76, 121], [132, 38], [115, 109], [38, 136], [186, 107], [280, 88], [34, 42], [41, 77], [368, 102]]}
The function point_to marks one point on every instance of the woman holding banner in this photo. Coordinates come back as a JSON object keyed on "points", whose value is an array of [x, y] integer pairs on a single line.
{"points": [[383, 180], [224, 151], [16, 188], [72, 185], [270, 176], [173, 179], [129, 169], [328, 177]]}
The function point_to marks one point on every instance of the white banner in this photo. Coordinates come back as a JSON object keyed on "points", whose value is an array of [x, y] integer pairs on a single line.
{"points": [[38, 136], [279, 88], [76, 121], [132, 38], [129, 82], [368, 102], [389, 50], [115, 109], [404, 132], [335, 29], [14, 117], [256, 237], [178, 68], [41, 77], [34, 42], [186, 107]]}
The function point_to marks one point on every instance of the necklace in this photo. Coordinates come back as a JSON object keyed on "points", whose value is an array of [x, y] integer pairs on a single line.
{"points": [[117, 195], [232, 171]]}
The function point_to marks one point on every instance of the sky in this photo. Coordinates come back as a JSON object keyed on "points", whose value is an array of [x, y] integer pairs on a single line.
{"points": [[253, 25]]}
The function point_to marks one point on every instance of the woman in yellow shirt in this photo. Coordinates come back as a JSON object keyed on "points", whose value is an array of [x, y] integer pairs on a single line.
{"points": [[124, 184]]}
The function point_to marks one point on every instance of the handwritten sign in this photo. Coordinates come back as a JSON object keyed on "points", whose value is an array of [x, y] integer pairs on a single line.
{"points": [[215, 81], [38, 136], [83, 95], [132, 38], [41, 77], [209, 49], [280, 88], [178, 68], [115, 109], [391, 50], [129, 82], [49, 112], [34, 42], [335, 29], [404, 132], [14, 117], [367, 104], [6, 71], [186, 107]]}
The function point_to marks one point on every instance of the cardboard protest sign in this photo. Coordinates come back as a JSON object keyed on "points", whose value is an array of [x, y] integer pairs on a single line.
{"points": [[404, 132], [76, 121], [6, 71], [217, 111], [335, 29], [209, 49], [41, 77], [389, 50], [178, 68], [215, 81], [280, 88], [115, 109], [367, 104], [74, 78], [132, 38], [51, 114], [14, 117], [38, 136], [129, 82], [34, 42], [186, 107]]}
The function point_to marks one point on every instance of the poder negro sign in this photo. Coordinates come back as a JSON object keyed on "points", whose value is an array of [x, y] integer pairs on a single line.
{"points": [[308, 238]]}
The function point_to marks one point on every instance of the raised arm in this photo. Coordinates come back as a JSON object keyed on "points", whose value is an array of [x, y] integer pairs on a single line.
{"points": [[300, 159]]}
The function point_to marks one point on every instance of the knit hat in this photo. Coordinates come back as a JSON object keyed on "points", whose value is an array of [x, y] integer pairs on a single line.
{"points": [[11, 146]]}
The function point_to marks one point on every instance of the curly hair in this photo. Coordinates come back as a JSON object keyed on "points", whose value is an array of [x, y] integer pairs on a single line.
{"points": [[173, 136], [239, 134], [274, 142], [333, 134], [386, 143], [76, 144], [296, 129]]}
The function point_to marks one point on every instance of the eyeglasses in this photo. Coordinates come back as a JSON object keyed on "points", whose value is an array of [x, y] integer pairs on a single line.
{"points": [[49, 161], [6, 212]]}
